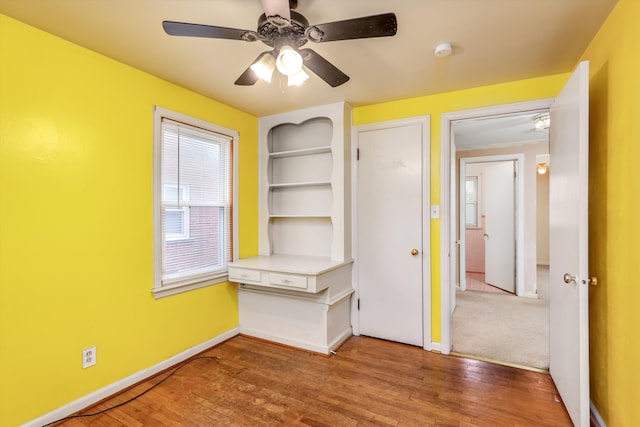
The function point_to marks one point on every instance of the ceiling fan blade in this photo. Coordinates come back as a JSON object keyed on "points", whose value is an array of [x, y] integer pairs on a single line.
{"points": [[323, 68], [248, 78], [358, 28], [211, 31], [276, 7]]}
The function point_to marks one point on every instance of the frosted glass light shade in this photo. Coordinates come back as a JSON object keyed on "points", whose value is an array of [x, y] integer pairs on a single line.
{"points": [[264, 67], [289, 61], [298, 78]]}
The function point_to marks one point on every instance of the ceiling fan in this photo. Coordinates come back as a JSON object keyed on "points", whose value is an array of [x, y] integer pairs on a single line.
{"points": [[286, 31]]}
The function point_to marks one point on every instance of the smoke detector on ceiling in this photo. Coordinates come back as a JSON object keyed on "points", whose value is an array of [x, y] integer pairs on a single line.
{"points": [[443, 50]]}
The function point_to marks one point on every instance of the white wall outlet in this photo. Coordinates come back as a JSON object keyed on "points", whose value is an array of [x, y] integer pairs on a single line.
{"points": [[435, 211], [89, 357]]}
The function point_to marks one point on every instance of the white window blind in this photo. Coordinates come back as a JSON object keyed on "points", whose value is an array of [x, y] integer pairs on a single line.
{"points": [[196, 214]]}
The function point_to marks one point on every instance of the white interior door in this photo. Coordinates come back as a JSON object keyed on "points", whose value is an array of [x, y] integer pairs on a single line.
{"points": [[568, 241], [389, 222], [499, 242]]}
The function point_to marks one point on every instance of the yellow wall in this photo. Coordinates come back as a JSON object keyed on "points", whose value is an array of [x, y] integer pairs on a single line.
{"points": [[614, 205], [436, 105], [75, 215], [76, 223]]}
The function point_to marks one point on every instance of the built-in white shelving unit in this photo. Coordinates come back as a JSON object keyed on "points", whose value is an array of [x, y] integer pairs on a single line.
{"points": [[297, 290]]}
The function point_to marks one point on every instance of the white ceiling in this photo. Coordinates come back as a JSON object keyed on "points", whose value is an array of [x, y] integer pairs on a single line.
{"points": [[493, 41], [498, 131]]}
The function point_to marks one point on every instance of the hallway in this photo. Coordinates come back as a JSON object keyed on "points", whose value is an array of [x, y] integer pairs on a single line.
{"points": [[496, 325]]}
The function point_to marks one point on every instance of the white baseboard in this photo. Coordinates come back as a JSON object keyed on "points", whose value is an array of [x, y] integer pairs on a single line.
{"points": [[113, 388], [340, 339], [596, 419], [435, 346], [285, 340]]}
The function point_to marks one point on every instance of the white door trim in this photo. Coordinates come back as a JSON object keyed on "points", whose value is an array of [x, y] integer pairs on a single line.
{"points": [[447, 217], [519, 159], [424, 122]]}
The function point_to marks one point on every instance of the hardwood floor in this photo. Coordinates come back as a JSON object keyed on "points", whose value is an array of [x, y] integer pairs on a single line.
{"points": [[368, 382]]}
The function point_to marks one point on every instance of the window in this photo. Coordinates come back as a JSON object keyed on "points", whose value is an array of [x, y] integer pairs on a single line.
{"points": [[471, 198], [176, 219], [193, 203]]}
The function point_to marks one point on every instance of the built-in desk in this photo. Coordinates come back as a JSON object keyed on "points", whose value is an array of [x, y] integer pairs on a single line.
{"points": [[302, 301]]}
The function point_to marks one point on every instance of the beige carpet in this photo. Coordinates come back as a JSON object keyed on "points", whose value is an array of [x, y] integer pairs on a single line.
{"points": [[505, 328]]}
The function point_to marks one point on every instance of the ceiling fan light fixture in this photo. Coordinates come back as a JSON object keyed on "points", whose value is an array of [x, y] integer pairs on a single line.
{"points": [[289, 61], [264, 67], [542, 122], [298, 78], [286, 31]]}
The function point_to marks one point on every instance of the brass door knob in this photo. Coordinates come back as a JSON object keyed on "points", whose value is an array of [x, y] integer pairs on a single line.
{"points": [[414, 252], [568, 278]]}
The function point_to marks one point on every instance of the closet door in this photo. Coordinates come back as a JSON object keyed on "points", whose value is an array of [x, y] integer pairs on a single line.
{"points": [[390, 235]]}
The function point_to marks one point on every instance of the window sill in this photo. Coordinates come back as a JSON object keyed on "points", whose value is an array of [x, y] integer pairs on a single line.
{"points": [[178, 288]]}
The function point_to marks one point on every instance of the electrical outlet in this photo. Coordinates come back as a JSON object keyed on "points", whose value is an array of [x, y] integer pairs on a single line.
{"points": [[89, 357]]}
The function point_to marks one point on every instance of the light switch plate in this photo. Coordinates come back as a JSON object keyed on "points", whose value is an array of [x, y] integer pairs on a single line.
{"points": [[435, 211]]}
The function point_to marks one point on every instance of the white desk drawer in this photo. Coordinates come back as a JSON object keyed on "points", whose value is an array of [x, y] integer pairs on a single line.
{"points": [[299, 282], [242, 274]]}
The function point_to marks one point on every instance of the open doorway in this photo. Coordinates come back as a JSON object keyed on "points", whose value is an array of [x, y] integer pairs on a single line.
{"points": [[511, 326], [490, 228]]}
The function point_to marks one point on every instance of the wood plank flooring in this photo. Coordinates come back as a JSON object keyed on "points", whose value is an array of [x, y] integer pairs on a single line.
{"points": [[369, 382]]}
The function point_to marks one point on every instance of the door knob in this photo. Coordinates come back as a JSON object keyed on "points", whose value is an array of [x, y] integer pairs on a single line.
{"points": [[593, 280], [486, 235], [414, 252]]}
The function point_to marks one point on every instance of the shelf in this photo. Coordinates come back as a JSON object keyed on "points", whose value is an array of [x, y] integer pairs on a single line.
{"points": [[307, 168], [300, 200], [302, 152], [304, 182], [300, 184]]}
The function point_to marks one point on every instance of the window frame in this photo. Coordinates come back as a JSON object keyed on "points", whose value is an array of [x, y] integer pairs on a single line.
{"points": [[174, 286]]}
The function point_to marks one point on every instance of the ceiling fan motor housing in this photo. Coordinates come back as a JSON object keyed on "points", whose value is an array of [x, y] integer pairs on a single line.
{"points": [[275, 31]]}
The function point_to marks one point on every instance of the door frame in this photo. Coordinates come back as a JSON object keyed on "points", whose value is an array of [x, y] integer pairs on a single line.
{"points": [[519, 207], [425, 124], [447, 211]]}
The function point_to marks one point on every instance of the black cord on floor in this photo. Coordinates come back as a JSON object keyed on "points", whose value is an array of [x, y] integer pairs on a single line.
{"points": [[136, 396]]}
